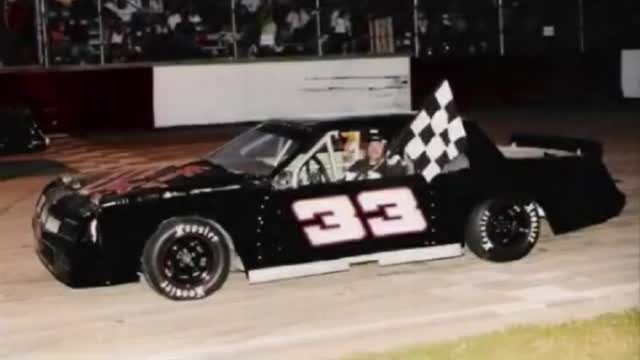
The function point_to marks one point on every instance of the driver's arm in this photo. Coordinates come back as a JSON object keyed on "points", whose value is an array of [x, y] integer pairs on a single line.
{"points": [[350, 175], [354, 172]]}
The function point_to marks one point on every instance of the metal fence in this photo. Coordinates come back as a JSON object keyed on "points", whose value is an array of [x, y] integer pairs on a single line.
{"points": [[74, 32]]}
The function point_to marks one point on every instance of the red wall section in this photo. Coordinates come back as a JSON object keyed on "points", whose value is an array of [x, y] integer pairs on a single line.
{"points": [[94, 99]]}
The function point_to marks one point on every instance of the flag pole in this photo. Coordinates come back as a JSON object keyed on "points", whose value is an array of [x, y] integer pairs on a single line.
{"points": [[318, 28], [101, 31], [234, 29], [39, 31]]}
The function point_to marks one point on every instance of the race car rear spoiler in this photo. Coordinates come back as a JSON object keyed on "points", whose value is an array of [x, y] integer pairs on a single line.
{"points": [[580, 146]]}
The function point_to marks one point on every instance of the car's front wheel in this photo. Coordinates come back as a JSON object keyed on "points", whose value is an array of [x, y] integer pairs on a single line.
{"points": [[503, 229], [187, 258]]}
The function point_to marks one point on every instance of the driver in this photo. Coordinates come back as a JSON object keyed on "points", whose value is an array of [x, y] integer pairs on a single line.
{"points": [[374, 165]]}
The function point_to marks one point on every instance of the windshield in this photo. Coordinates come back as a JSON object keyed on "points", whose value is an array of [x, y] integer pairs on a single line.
{"points": [[256, 152]]}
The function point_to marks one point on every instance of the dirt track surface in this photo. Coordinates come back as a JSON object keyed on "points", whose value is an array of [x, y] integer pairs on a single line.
{"points": [[369, 308]]}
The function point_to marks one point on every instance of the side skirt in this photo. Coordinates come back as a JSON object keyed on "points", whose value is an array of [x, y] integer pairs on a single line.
{"points": [[343, 264]]}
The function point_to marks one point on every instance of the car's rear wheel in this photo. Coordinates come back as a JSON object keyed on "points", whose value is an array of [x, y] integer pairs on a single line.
{"points": [[503, 229], [186, 258]]}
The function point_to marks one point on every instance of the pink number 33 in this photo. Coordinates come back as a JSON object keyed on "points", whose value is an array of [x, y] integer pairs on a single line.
{"points": [[334, 219]]}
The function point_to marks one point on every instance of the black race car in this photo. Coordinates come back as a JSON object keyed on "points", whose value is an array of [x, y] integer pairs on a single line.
{"points": [[277, 199], [19, 133]]}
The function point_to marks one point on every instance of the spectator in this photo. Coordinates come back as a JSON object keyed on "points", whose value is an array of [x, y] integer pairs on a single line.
{"points": [[297, 21], [186, 25], [341, 31], [424, 34], [249, 27], [268, 33], [161, 29], [446, 33], [173, 20], [145, 20], [79, 36], [123, 9], [57, 35], [118, 43], [155, 6], [58, 42], [184, 17], [251, 5], [193, 17]]}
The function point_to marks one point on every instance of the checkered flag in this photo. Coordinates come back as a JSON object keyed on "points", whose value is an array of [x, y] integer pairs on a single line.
{"points": [[435, 137]]}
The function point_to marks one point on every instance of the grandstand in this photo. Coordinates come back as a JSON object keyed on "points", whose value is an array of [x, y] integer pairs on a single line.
{"points": [[80, 32]]}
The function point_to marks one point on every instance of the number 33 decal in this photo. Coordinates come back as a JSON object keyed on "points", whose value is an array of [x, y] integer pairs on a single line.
{"points": [[386, 212]]}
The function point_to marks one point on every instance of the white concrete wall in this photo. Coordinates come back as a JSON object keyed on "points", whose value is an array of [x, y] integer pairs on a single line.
{"points": [[227, 93], [631, 73]]}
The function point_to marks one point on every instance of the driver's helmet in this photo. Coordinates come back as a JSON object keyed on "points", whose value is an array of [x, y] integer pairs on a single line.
{"points": [[374, 135]]}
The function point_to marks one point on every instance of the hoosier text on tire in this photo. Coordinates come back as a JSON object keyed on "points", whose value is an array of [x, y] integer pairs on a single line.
{"points": [[186, 258]]}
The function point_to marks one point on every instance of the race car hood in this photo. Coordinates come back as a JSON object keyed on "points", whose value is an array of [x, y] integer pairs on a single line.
{"points": [[102, 188]]}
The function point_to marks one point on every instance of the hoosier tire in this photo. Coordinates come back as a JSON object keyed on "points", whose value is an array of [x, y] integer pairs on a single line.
{"points": [[503, 230], [186, 258]]}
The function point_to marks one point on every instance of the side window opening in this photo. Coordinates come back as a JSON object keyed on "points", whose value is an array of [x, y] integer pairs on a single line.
{"points": [[367, 153], [317, 166], [345, 156]]}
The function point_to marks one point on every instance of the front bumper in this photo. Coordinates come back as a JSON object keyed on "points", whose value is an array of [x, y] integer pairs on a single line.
{"points": [[74, 266], [71, 261]]}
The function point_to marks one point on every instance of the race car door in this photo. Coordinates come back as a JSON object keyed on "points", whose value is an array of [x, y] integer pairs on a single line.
{"points": [[322, 216]]}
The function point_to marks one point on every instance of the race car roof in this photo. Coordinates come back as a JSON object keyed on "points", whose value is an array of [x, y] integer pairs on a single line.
{"points": [[344, 122]]}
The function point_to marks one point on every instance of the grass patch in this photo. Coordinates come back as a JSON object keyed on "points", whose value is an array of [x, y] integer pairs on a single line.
{"points": [[609, 337]]}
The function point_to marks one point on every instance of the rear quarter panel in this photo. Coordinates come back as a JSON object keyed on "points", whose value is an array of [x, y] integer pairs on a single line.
{"points": [[574, 192]]}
